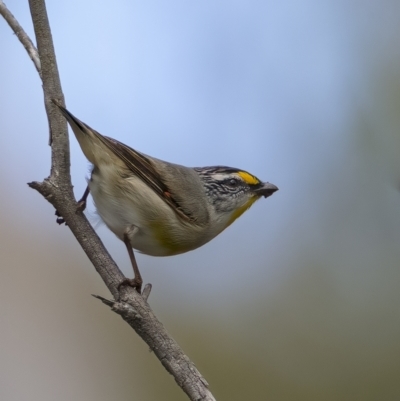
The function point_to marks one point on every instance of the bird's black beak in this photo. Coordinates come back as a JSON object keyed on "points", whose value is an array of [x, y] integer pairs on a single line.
{"points": [[266, 189]]}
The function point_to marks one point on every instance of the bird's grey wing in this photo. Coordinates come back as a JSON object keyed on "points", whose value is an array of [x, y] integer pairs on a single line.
{"points": [[142, 167]]}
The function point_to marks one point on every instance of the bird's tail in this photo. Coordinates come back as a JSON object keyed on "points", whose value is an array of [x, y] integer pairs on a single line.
{"points": [[89, 139]]}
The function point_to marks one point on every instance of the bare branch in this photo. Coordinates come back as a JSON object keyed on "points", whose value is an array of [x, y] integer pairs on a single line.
{"points": [[57, 189], [22, 36]]}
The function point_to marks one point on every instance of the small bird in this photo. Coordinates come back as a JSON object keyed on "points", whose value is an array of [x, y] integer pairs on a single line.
{"points": [[156, 207]]}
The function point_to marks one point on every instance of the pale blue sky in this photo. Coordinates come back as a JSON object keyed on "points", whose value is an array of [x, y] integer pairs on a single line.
{"points": [[268, 87], [301, 94]]}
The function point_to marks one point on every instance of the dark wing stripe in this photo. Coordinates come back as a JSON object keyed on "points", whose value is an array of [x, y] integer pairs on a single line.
{"points": [[142, 167], [135, 162]]}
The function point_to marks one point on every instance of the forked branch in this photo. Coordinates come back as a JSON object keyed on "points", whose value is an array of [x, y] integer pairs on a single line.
{"points": [[57, 189]]}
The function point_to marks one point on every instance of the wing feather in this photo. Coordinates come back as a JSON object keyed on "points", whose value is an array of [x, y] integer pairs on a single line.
{"points": [[143, 168]]}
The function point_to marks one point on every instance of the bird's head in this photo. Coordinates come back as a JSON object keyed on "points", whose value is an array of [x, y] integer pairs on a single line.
{"points": [[231, 191]]}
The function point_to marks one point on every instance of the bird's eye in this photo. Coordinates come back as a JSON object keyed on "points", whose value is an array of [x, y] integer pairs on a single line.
{"points": [[232, 183]]}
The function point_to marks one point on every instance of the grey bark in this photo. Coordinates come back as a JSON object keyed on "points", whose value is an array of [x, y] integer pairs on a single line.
{"points": [[57, 189]]}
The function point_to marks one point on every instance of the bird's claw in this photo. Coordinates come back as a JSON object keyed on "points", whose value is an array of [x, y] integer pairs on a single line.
{"points": [[131, 282]]}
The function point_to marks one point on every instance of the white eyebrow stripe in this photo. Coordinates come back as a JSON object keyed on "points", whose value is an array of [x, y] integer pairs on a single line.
{"points": [[223, 177]]}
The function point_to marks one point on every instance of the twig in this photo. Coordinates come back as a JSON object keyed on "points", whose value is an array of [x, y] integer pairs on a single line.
{"points": [[57, 189], [22, 36]]}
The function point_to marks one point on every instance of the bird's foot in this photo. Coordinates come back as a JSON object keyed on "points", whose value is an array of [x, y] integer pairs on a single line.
{"points": [[60, 220], [80, 207], [131, 282]]}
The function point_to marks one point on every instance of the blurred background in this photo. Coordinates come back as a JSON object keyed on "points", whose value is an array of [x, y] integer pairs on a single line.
{"points": [[299, 299]]}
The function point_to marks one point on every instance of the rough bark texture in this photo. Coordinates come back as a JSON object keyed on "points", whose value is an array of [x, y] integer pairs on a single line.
{"points": [[57, 189]]}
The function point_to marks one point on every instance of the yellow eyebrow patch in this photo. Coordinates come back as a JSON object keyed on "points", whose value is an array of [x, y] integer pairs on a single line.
{"points": [[248, 178]]}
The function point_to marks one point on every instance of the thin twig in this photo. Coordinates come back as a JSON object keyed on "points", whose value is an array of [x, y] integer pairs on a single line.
{"points": [[57, 189], [22, 36]]}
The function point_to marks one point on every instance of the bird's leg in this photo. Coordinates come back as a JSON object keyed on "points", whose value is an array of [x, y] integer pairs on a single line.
{"points": [[82, 202], [81, 206], [137, 280]]}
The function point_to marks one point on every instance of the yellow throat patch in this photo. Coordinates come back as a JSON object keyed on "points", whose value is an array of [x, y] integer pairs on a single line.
{"points": [[238, 212]]}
